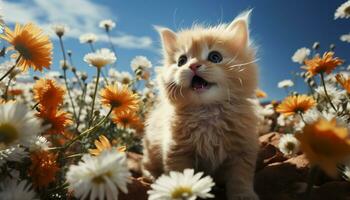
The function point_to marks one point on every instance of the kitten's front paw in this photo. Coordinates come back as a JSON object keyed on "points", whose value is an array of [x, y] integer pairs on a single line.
{"points": [[244, 196]]}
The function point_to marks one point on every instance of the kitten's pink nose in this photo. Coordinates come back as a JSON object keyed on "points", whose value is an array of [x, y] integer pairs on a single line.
{"points": [[194, 67]]}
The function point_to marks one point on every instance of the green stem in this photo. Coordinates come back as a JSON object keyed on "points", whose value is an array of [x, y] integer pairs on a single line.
{"points": [[35, 105], [88, 131], [65, 76], [11, 69], [74, 72], [302, 117], [82, 100], [111, 44], [7, 88], [94, 97], [325, 91], [69, 94]]}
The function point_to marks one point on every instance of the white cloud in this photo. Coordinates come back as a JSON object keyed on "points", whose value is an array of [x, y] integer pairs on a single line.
{"points": [[81, 16]]}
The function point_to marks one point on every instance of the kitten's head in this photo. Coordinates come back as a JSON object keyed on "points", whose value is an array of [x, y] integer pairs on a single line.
{"points": [[205, 65]]}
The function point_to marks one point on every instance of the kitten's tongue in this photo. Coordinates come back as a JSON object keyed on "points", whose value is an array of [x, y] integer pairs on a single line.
{"points": [[199, 83]]}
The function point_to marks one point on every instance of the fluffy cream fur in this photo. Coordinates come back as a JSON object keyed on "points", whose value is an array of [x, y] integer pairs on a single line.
{"points": [[214, 130]]}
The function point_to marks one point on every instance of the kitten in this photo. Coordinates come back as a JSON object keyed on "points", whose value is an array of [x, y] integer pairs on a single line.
{"points": [[204, 118]]}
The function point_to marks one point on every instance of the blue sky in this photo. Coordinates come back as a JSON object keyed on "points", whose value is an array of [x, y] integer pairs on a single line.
{"points": [[277, 27]]}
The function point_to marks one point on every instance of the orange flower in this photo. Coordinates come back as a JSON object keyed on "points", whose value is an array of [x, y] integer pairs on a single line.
{"points": [[126, 119], [320, 65], [48, 94], [120, 98], [102, 143], [56, 120], [15, 92], [260, 94], [295, 104], [34, 48], [344, 82], [325, 144], [43, 168]]}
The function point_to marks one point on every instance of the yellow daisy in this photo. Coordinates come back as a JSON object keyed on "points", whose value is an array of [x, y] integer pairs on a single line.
{"points": [[325, 144], [326, 64], [102, 143], [120, 98], [294, 104], [33, 47]]}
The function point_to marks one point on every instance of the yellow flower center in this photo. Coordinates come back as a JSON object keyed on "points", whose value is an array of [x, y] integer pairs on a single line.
{"points": [[347, 10], [8, 133], [181, 192], [24, 51], [100, 179], [126, 81], [115, 103], [290, 146]]}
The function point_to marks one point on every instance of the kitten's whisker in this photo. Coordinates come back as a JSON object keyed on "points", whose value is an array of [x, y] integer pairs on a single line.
{"points": [[240, 81], [181, 92], [244, 64]]}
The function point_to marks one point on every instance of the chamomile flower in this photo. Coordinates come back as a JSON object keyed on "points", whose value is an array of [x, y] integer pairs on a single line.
{"points": [[285, 84], [124, 78], [107, 24], [333, 93], [345, 38], [140, 62], [343, 11], [288, 145], [39, 143], [99, 176], [88, 38], [300, 55], [12, 154], [177, 186], [59, 29], [18, 125], [100, 58], [14, 190]]}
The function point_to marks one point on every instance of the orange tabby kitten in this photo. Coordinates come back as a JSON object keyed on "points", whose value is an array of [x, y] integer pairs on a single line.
{"points": [[205, 119]]}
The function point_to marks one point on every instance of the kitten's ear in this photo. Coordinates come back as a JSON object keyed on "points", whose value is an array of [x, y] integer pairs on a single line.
{"points": [[168, 38], [239, 28]]}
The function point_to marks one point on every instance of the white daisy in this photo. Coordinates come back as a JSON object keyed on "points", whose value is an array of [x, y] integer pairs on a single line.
{"points": [[18, 125], [300, 55], [178, 186], [334, 94], [12, 154], [100, 58], [289, 145], [114, 74], [140, 62], [59, 29], [285, 84], [107, 24], [345, 38], [343, 11], [124, 78], [88, 38], [14, 190], [316, 45], [346, 173], [39, 143], [99, 176]]}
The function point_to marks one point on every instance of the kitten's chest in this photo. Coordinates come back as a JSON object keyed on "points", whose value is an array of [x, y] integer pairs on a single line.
{"points": [[209, 131]]}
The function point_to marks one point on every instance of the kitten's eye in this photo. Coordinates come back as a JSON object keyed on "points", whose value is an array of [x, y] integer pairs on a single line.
{"points": [[215, 57], [182, 60]]}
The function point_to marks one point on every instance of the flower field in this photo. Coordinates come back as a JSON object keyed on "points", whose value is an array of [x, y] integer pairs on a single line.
{"points": [[73, 135]]}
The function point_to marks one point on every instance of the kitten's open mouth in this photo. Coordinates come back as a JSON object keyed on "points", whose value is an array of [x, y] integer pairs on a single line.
{"points": [[199, 84]]}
